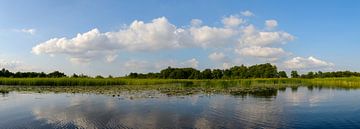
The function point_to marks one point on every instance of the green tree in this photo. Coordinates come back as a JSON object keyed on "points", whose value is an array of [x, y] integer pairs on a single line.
{"points": [[217, 74], [282, 74], [294, 74], [206, 74]]}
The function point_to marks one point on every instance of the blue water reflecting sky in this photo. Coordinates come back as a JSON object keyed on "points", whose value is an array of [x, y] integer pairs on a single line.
{"points": [[301, 108]]}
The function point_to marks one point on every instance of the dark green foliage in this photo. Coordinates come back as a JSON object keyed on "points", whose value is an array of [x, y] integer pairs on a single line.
{"points": [[99, 77], [320, 74], [206, 74], [55, 74], [282, 74], [294, 74], [217, 74], [236, 72]]}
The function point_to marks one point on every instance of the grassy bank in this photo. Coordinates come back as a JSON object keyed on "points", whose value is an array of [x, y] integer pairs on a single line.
{"points": [[116, 86], [84, 81], [352, 82]]}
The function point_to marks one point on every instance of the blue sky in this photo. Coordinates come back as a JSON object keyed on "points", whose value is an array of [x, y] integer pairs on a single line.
{"points": [[300, 35]]}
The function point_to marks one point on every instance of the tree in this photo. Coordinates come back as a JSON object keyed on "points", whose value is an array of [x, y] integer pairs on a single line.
{"points": [[195, 75], [56, 74], [227, 74], [294, 74], [217, 74], [75, 76], [282, 74], [99, 77], [206, 74], [310, 75]]}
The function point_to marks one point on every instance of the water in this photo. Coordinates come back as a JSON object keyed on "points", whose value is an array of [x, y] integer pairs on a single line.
{"points": [[292, 108]]}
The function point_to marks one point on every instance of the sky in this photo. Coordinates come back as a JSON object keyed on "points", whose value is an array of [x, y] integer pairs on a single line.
{"points": [[116, 37]]}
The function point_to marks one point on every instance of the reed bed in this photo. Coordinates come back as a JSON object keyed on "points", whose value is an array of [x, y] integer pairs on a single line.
{"points": [[351, 82], [116, 86]]}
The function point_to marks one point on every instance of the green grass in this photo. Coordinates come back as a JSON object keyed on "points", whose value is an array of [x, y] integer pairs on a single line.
{"points": [[84, 81], [352, 82]]}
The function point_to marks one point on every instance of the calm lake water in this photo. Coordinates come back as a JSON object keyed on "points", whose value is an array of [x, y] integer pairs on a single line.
{"points": [[292, 108]]}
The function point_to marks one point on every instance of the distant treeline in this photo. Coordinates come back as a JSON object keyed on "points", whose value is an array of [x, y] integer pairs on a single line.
{"points": [[7, 73], [56, 74], [238, 72]]}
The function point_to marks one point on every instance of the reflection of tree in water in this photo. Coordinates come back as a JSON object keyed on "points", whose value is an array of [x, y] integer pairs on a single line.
{"points": [[263, 92]]}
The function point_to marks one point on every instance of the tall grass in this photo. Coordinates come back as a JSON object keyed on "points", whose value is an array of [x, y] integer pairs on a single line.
{"points": [[352, 82], [83, 81], [261, 87]]}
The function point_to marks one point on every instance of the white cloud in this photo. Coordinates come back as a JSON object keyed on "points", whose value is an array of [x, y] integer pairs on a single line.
{"points": [[138, 65], [206, 36], [217, 56], [271, 24], [29, 31], [82, 48], [139, 36], [160, 34], [227, 65], [254, 37], [191, 63], [232, 21], [196, 22], [15, 65], [247, 13], [307, 63], [262, 52], [111, 58]]}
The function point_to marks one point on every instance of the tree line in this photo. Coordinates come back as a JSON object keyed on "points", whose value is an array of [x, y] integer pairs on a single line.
{"points": [[7, 73], [236, 72]]}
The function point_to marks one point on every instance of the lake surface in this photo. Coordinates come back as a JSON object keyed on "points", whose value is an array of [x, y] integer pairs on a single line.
{"points": [[291, 108]]}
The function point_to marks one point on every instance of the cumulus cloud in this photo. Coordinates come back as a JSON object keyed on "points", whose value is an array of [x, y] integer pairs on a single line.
{"points": [[247, 13], [159, 34], [262, 52], [227, 65], [15, 65], [217, 56], [139, 36], [254, 37], [82, 48], [196, 22], [307, 63], [192, 63], [232, 21], [138, 65], [29, 31], [206, 36], [263, 44], [271, 24]]}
